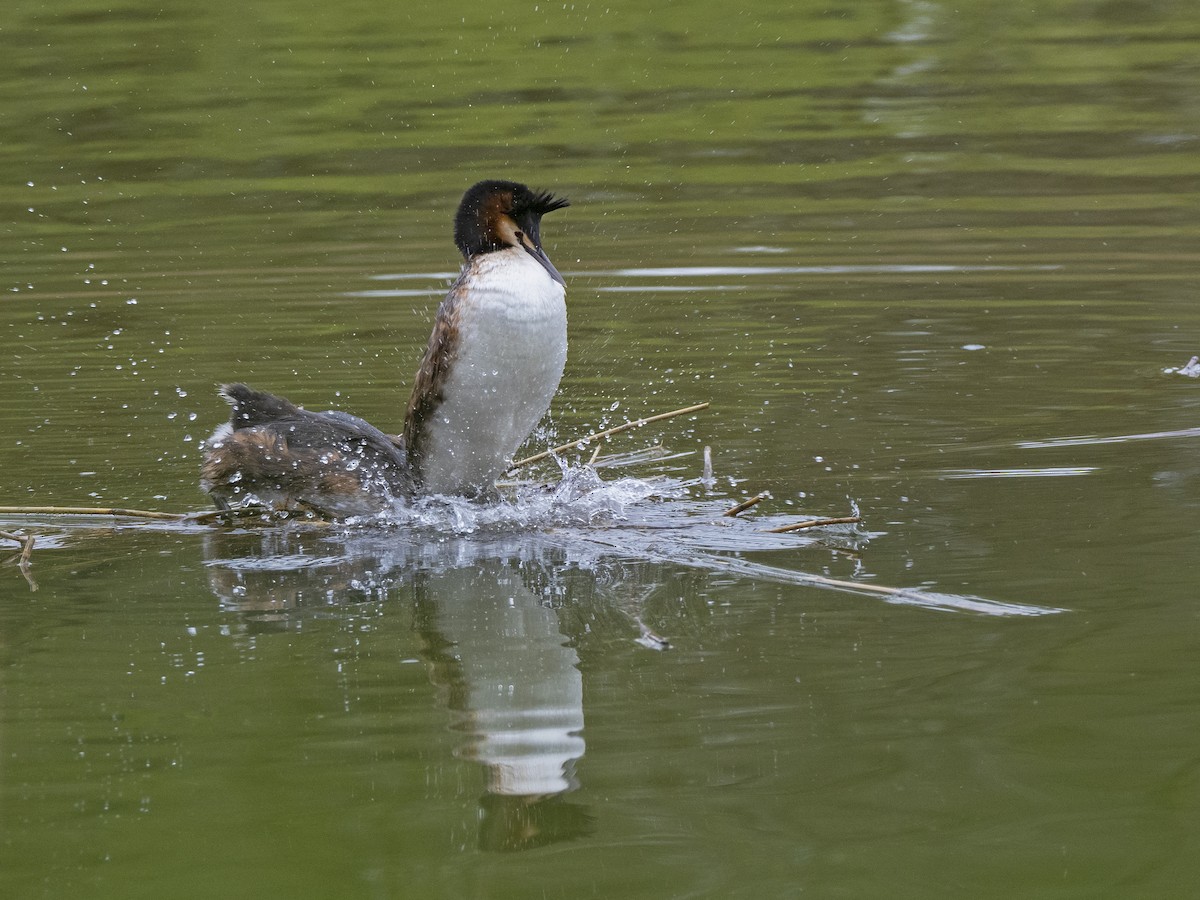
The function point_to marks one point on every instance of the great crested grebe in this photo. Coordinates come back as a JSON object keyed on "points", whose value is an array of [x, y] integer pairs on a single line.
{"points": [[492, 365]]}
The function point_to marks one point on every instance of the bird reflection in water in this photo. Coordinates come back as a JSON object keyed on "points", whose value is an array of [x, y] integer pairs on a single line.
{"points": [[495, 650], [511, 679]]}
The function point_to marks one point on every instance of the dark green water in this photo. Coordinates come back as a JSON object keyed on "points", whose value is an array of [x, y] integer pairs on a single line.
{"points": [[929, 259]]}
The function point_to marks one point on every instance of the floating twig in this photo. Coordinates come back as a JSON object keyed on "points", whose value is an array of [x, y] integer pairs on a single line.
{"points": [[90, 511], [599, 435], [596, 453], [745, 505], [255, 515], [655, 453], [26, 542], [813, 523], [866, 586]]}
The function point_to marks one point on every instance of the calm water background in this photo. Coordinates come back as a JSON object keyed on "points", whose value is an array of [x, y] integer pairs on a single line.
{"points": [[930, 258]]}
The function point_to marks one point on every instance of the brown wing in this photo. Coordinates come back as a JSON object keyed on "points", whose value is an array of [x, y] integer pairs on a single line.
{"points": [[431, 376], [333, 462]]}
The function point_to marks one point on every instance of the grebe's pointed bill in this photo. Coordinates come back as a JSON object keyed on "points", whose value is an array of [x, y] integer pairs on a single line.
{"points": [[540, 255]]}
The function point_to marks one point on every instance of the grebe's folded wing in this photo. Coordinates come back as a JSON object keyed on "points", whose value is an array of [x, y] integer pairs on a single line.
{"points": [[285, 455]]}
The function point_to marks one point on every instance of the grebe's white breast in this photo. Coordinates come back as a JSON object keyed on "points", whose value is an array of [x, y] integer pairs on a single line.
{"points": [[506, 360]]}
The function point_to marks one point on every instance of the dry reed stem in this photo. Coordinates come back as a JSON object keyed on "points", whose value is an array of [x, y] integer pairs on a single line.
{"points": [[255, 515], [90, 511], [599, 435], [23, 561], [813, 523], [26, 542], [745, 505], [865, 586]]}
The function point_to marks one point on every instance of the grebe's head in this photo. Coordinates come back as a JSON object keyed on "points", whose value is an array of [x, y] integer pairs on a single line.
{"points": [[498, 215]]}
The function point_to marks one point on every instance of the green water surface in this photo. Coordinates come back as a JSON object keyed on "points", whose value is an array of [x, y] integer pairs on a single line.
{"points": [[931, 259]]}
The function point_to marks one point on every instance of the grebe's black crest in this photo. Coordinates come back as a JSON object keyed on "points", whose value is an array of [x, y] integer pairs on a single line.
{"points": [[480, 223]]}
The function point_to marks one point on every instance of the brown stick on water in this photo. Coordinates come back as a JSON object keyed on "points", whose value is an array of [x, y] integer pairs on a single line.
{"points": [[90, 511], [26, 542], [745, 505], [255, 515], [19, 538], [813, 523], [537, 457]]}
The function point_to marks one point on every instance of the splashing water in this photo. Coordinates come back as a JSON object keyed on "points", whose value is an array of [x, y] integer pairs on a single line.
{"points": [[591, 522], [580, 498], [581, 523], [1190, 370]]}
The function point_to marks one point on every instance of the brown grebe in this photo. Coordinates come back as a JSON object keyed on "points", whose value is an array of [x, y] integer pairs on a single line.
{"points": [[492, 365]]}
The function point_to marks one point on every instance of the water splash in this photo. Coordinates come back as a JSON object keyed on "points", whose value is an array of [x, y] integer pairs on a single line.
{"points": [[579, 498], [1191, 370], [579, 523], [592, 522]]}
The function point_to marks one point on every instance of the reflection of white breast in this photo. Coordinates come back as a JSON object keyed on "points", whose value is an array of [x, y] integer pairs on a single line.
{"points": [[519, 681], [512, 346]]}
